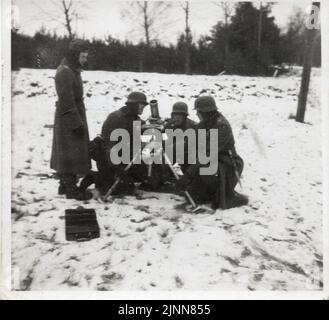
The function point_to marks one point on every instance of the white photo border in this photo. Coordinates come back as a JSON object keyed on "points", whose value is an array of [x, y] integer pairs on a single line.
{"points": [[6, 180]]}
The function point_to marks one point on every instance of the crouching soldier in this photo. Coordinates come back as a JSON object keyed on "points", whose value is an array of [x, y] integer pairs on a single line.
{"points": [[179, 120], [219, 187], [70, 149], [102, 146]]}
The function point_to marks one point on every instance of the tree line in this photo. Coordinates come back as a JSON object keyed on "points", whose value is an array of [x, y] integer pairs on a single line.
{"points": [[247, 41]]}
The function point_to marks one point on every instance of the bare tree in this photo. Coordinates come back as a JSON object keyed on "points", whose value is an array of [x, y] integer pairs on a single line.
{"points": [[263, 9], [64, 12], [148, 21], [227, 9], [187, 36], [296, 32], [148, 17]]}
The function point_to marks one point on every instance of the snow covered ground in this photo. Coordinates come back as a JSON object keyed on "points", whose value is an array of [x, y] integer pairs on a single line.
{"points": [[149, 242]]}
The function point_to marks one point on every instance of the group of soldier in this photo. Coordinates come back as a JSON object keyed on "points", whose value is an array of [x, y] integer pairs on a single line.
{"points": [[73, 150]]}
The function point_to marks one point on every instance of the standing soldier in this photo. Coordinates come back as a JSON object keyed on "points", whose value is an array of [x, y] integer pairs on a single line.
{"points": [[70, 151], [217, 188]]}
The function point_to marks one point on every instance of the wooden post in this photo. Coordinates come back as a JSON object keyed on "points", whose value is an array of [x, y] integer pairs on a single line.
{"points": [[310, 35]]}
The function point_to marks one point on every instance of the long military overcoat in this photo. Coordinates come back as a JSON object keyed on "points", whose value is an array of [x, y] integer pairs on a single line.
{"points": [[70, 150]]}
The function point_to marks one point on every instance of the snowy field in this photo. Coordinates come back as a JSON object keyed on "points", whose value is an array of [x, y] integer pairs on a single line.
{"points": [[148, 241]]}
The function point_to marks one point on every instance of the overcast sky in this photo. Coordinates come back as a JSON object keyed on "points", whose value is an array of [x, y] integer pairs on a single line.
{"points": [[104, 17]]}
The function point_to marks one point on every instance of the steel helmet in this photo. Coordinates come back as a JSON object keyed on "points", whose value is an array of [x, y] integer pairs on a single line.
{"points": [[205, 104], [136, 97], [180, 107]]}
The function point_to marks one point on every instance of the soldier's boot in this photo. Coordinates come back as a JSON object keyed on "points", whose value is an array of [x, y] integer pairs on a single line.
{"points": [[236, 200], [64, 179], [87, 181], [61, 188], [73, 192]]}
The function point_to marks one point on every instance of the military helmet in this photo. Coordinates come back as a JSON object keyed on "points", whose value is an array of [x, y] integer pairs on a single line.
{"points": [[205, 104], [180, 107], [78, 45], [136, 97]]}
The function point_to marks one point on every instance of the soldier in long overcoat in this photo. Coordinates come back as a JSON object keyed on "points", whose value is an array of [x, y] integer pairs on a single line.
{"points": [[70, 150], [217, 188]]}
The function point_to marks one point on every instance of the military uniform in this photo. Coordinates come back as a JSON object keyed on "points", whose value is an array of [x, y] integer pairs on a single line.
{"points": [[206, 188], [70, 149], [180, 108], [101, 150], [217, 188], [187, 124]]}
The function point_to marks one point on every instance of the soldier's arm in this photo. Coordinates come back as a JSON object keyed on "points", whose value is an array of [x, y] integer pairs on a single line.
{"points": [[64, 86], [225, 136], [109, 126]]}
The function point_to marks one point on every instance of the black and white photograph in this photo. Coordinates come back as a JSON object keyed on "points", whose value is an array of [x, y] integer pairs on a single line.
{"points": [[164, 146]]}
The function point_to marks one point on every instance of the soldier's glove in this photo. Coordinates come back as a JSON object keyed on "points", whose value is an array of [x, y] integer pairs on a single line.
{"points": [[155, 120], [80, 131], [168, 123]]}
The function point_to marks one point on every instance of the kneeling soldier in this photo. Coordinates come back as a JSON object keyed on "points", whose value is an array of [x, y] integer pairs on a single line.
{"points": [[217, 188], [179, 120], [179, 117], [101, 147]]}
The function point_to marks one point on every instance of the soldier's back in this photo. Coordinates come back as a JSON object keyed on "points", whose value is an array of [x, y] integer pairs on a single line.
{"points": [[112, 122]]}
